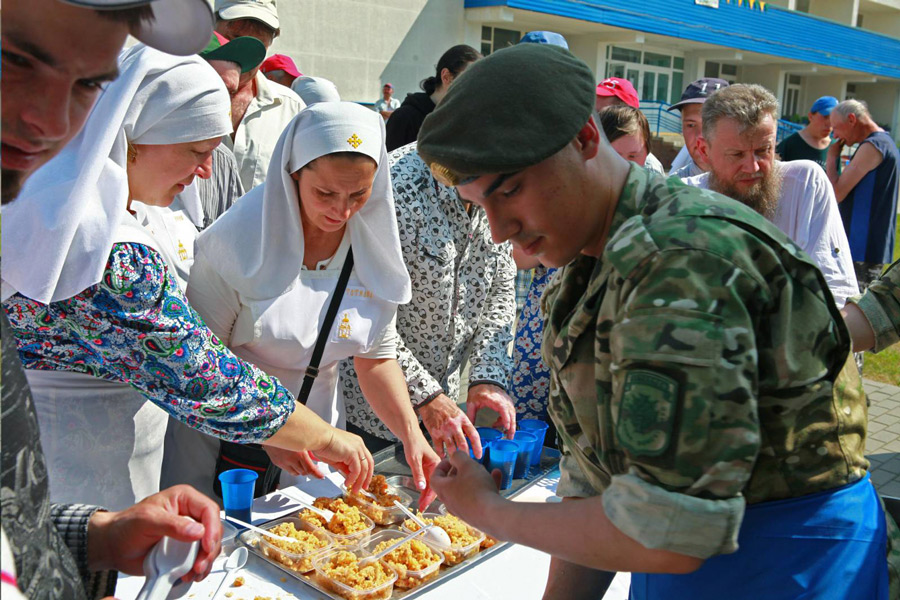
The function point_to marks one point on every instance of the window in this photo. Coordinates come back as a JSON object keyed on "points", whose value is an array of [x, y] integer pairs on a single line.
{"points": [[730, 70], [711, 69], [495, 38], [720, 71], [657, 60], [802, 6], [624, 54], [791, 104]]}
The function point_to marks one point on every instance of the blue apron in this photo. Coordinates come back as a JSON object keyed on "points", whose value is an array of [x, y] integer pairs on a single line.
{"points": [[827, 545]]}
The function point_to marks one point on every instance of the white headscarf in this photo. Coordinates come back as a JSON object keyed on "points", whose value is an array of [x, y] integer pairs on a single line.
{"points": [[315, 89], [257, 246], [58, 234]]}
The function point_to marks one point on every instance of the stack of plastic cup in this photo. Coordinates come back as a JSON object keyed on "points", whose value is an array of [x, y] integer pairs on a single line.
{"points": [[237, 493], [503, 457], [487, 435], [539, 429], [526, 441]]}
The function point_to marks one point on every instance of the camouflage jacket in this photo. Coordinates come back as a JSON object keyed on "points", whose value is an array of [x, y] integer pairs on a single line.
{"points": [[694, 367], [881, 305]]}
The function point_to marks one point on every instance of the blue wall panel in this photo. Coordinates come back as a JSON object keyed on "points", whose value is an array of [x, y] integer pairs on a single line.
{"points": [[772, 31]]}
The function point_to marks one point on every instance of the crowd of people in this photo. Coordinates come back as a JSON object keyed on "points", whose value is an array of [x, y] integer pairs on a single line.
{"points": [[211, 259]]}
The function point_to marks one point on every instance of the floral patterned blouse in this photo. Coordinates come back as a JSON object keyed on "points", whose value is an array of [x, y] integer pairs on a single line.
{"points": [[529, 383], [136, 327], [463, 294]]}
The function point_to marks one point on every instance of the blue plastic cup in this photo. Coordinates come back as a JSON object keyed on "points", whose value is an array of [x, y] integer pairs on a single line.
{"points": [[539, 429], [237, 493], [526, 441], [503, 457], [487, 435]]}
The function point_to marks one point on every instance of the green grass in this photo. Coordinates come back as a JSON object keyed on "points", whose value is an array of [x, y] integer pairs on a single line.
{"points": [[885, 366]]}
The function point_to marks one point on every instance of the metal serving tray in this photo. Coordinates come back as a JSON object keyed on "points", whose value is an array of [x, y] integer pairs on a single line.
{"points": [[390, 463]]}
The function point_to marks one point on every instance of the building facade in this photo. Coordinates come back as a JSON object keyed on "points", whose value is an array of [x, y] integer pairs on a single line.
{"points": [[799, 49]]}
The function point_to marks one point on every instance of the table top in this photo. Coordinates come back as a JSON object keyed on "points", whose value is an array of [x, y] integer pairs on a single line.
{"points": [[524, 569]]}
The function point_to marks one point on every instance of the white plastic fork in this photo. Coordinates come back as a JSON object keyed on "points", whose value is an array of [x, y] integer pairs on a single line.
{"points": [[262, 531], [164, 565]]}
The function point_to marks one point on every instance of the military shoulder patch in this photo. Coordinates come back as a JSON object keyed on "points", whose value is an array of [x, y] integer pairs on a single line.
{"points": [[647, 412]]}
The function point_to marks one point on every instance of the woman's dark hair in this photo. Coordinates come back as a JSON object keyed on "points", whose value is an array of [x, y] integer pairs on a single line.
{"points": [[619, 121], [454, 60]]}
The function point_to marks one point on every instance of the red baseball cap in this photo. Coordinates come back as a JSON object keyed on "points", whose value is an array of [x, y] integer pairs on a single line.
{"points": [[280, 62], [620, 88]]}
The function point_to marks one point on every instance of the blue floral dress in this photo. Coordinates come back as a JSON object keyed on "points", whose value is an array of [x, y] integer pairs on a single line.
{"points": [[530, 380], [136, 327]]}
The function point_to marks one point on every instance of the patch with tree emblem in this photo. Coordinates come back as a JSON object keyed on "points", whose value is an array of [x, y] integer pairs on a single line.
{"points": [[647, 412]]}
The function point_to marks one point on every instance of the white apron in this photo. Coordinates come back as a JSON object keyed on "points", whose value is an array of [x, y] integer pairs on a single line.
{"points": [[103, 441], [278, 336]]}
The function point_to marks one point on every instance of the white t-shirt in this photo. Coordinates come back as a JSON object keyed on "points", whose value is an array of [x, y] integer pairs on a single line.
{"points": [[382, 104], [808, 213]]}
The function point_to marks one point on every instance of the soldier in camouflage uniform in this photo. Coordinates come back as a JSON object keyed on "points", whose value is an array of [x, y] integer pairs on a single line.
{"points": [[713, 427], [874, 317]]}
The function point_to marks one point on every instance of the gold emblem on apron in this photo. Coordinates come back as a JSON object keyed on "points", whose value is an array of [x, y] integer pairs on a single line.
{"points": [[182, 251], [344, 328]]}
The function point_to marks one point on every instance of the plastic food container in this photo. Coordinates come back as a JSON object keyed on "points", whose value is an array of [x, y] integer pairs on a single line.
{"points": [[406, 578], [348, 539], [382, 515], [380, 592], [459, 551], [302, 562]]}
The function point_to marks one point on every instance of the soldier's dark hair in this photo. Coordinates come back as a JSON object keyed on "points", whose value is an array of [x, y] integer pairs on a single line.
{"points": [[133, 17], [619, 121], [747, 104], [455, 60]]}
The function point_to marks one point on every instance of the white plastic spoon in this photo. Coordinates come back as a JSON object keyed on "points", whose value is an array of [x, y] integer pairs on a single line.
{"points": [[236, 560], [322, 512], [164, 565], [264, 532], [436, 534]]}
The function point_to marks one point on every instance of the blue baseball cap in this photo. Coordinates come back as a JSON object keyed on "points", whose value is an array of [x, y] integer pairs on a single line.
{"points": [[824, 105], [545, 37]]}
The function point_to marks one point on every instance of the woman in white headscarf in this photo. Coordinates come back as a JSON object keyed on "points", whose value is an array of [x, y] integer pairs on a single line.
{"points": [[100, 322], [265, 272]]}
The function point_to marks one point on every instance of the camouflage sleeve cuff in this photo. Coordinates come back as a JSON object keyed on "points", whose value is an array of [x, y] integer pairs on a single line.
{"points": [[659, 519], [887, 333], [572, 482]]}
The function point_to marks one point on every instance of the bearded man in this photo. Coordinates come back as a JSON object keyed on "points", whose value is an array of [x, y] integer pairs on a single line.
{"points": [[738, 144]]}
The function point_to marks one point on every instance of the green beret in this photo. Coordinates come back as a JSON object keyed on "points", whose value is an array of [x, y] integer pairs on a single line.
{"points": [[506, 112]]}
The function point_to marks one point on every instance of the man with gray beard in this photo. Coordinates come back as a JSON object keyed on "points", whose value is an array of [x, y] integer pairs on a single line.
{"points": [[738, 143]]}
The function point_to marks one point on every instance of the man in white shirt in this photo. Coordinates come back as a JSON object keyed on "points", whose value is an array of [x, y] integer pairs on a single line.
{"points": [[387, 104], [688, 161], [260, 109], [738, 144]]}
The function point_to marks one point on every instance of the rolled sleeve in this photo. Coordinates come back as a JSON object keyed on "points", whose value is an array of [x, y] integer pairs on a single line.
{"points": [[660, 519], [386, 344], [572, 481], [881, 306]]}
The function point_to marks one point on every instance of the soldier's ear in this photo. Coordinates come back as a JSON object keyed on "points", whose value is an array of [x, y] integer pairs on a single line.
{"points": [[588, 140]]}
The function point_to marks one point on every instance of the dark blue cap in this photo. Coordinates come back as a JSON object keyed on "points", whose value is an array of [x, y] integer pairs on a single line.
{"points": [[824, 105], [698, 91], [544, 37]]}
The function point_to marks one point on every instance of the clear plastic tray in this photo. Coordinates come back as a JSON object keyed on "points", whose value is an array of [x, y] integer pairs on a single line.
{"points": [[457, 552], [406, 578], [349, 539], [382, 592], [302, 562]]}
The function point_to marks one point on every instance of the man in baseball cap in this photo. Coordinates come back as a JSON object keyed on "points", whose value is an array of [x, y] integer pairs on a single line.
{"points": [[689, 163], [280, 68], [256, 18], [615, 90], [57, 56], [811, 142]]}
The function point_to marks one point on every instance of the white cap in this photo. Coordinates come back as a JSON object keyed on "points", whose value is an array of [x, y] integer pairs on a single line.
{"points": [[261, 10], [179, 27]]}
